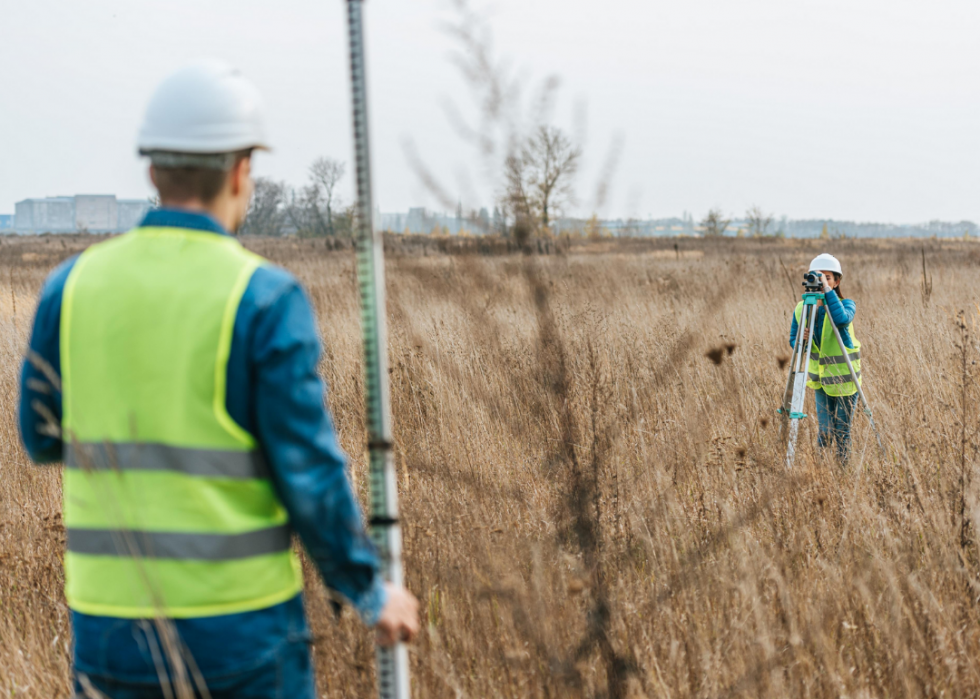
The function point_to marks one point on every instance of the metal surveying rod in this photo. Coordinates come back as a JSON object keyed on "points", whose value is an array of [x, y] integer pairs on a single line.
{"points": [[385, 530]]}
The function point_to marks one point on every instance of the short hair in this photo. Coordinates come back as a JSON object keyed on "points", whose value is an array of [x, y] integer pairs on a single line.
{"points": [[204, 183]]}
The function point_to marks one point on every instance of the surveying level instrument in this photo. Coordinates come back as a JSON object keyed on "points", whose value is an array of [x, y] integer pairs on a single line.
{"points": [[795, 393], [392, 661]]}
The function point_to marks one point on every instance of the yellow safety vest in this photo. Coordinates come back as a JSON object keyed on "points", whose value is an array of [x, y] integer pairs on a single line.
{"points": [[827, 368], [168, 504]]}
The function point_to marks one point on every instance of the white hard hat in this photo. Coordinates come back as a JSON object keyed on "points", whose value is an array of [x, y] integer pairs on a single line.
{"points": [[826, 262], [205, 108]]}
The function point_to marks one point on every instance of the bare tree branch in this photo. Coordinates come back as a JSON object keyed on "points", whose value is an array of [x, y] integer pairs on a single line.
{"points": [[714, 224], [758, 221], [325, 173], [551, 161]]}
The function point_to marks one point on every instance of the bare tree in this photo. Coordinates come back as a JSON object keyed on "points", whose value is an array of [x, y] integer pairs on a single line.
{"points": [[517, 201], [265, 213], [499, 223], [538, 178], [552, 161], [325, 173], [758, 221], [528, 165], [714, 224]]}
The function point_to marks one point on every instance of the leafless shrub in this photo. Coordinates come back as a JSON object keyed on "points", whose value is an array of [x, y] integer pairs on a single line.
{"points": [[525, 162], [266, 213], [758, 221], [714, 224], [312, 211]]}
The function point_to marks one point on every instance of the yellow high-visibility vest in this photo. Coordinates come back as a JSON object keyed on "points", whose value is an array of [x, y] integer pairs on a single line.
{"points": [[168, 505], [827, 368]]}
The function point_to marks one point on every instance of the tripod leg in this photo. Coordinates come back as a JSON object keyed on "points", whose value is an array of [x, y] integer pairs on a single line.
{"points": [[854, 378], [799, 389], [799, 370], [785, 408]]}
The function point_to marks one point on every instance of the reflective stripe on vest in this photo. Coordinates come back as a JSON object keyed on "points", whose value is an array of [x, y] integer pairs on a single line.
{"points": [[840, 359], [837, 380], [216, 463], [178, 545], [168, 505], [826, 366]]}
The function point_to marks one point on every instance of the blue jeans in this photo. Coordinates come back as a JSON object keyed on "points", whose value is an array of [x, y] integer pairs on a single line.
{"points": [[834, 414], [253, 655]]}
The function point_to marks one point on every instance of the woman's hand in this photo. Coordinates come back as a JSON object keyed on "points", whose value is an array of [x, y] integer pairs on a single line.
{"points": [[827, 288], [806, 334]]}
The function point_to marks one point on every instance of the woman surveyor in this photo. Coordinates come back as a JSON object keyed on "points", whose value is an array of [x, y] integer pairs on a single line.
{"points": [[827, 372]]}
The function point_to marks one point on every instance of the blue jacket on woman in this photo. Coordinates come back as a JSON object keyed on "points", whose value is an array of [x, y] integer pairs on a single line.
{"points": [[841, 310]]}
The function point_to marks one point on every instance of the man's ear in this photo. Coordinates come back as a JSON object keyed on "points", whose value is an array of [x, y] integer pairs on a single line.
{"points": [[240, 174]]}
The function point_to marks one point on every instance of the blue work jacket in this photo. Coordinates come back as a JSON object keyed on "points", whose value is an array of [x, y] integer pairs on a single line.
{"points": [[841, 310], [274, 392]]}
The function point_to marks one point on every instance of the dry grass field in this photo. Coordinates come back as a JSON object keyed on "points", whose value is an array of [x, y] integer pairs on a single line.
{"points": [[592, 507]]}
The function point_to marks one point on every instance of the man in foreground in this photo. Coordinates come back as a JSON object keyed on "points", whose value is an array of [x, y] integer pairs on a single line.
{"points": [[194, 432]]}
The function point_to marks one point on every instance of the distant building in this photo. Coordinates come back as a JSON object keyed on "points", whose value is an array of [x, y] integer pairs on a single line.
{"points": [[87, 213], [418, 221], [96, 213], [393, 222], [49, 215], [6, 222], [130, 213]]}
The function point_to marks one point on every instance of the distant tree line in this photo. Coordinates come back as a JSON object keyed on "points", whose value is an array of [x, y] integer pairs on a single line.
{"points": [[314, 210], [538, 187], [756, 223]]}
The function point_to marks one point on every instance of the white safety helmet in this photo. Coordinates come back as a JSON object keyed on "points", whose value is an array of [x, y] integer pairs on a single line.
{"points": [[826, 262], [201, 115]]}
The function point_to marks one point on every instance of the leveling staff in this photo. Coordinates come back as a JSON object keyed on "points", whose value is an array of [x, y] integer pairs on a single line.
{"points": [[195, 434], [827, 373]]}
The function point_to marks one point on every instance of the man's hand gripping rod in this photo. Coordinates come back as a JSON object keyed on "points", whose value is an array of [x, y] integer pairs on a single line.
{"points": [[385, 531]]}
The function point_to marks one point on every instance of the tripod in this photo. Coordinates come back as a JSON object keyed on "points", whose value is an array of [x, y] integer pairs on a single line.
{"points": [[793, 396]]}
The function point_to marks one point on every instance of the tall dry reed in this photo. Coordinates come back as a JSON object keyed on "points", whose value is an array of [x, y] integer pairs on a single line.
{"points": [[593, 507]]}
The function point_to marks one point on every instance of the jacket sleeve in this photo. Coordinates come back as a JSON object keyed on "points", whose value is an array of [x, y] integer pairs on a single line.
{"points": [[793, 329], [841, 311], [308, 467], [40, 393]]}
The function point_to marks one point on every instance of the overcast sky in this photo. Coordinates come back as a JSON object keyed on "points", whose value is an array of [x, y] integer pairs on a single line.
{"points": [[847, 109]]}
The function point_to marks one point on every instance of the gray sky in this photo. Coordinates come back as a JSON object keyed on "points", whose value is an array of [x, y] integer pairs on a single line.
{"points": [[850, 109]]}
